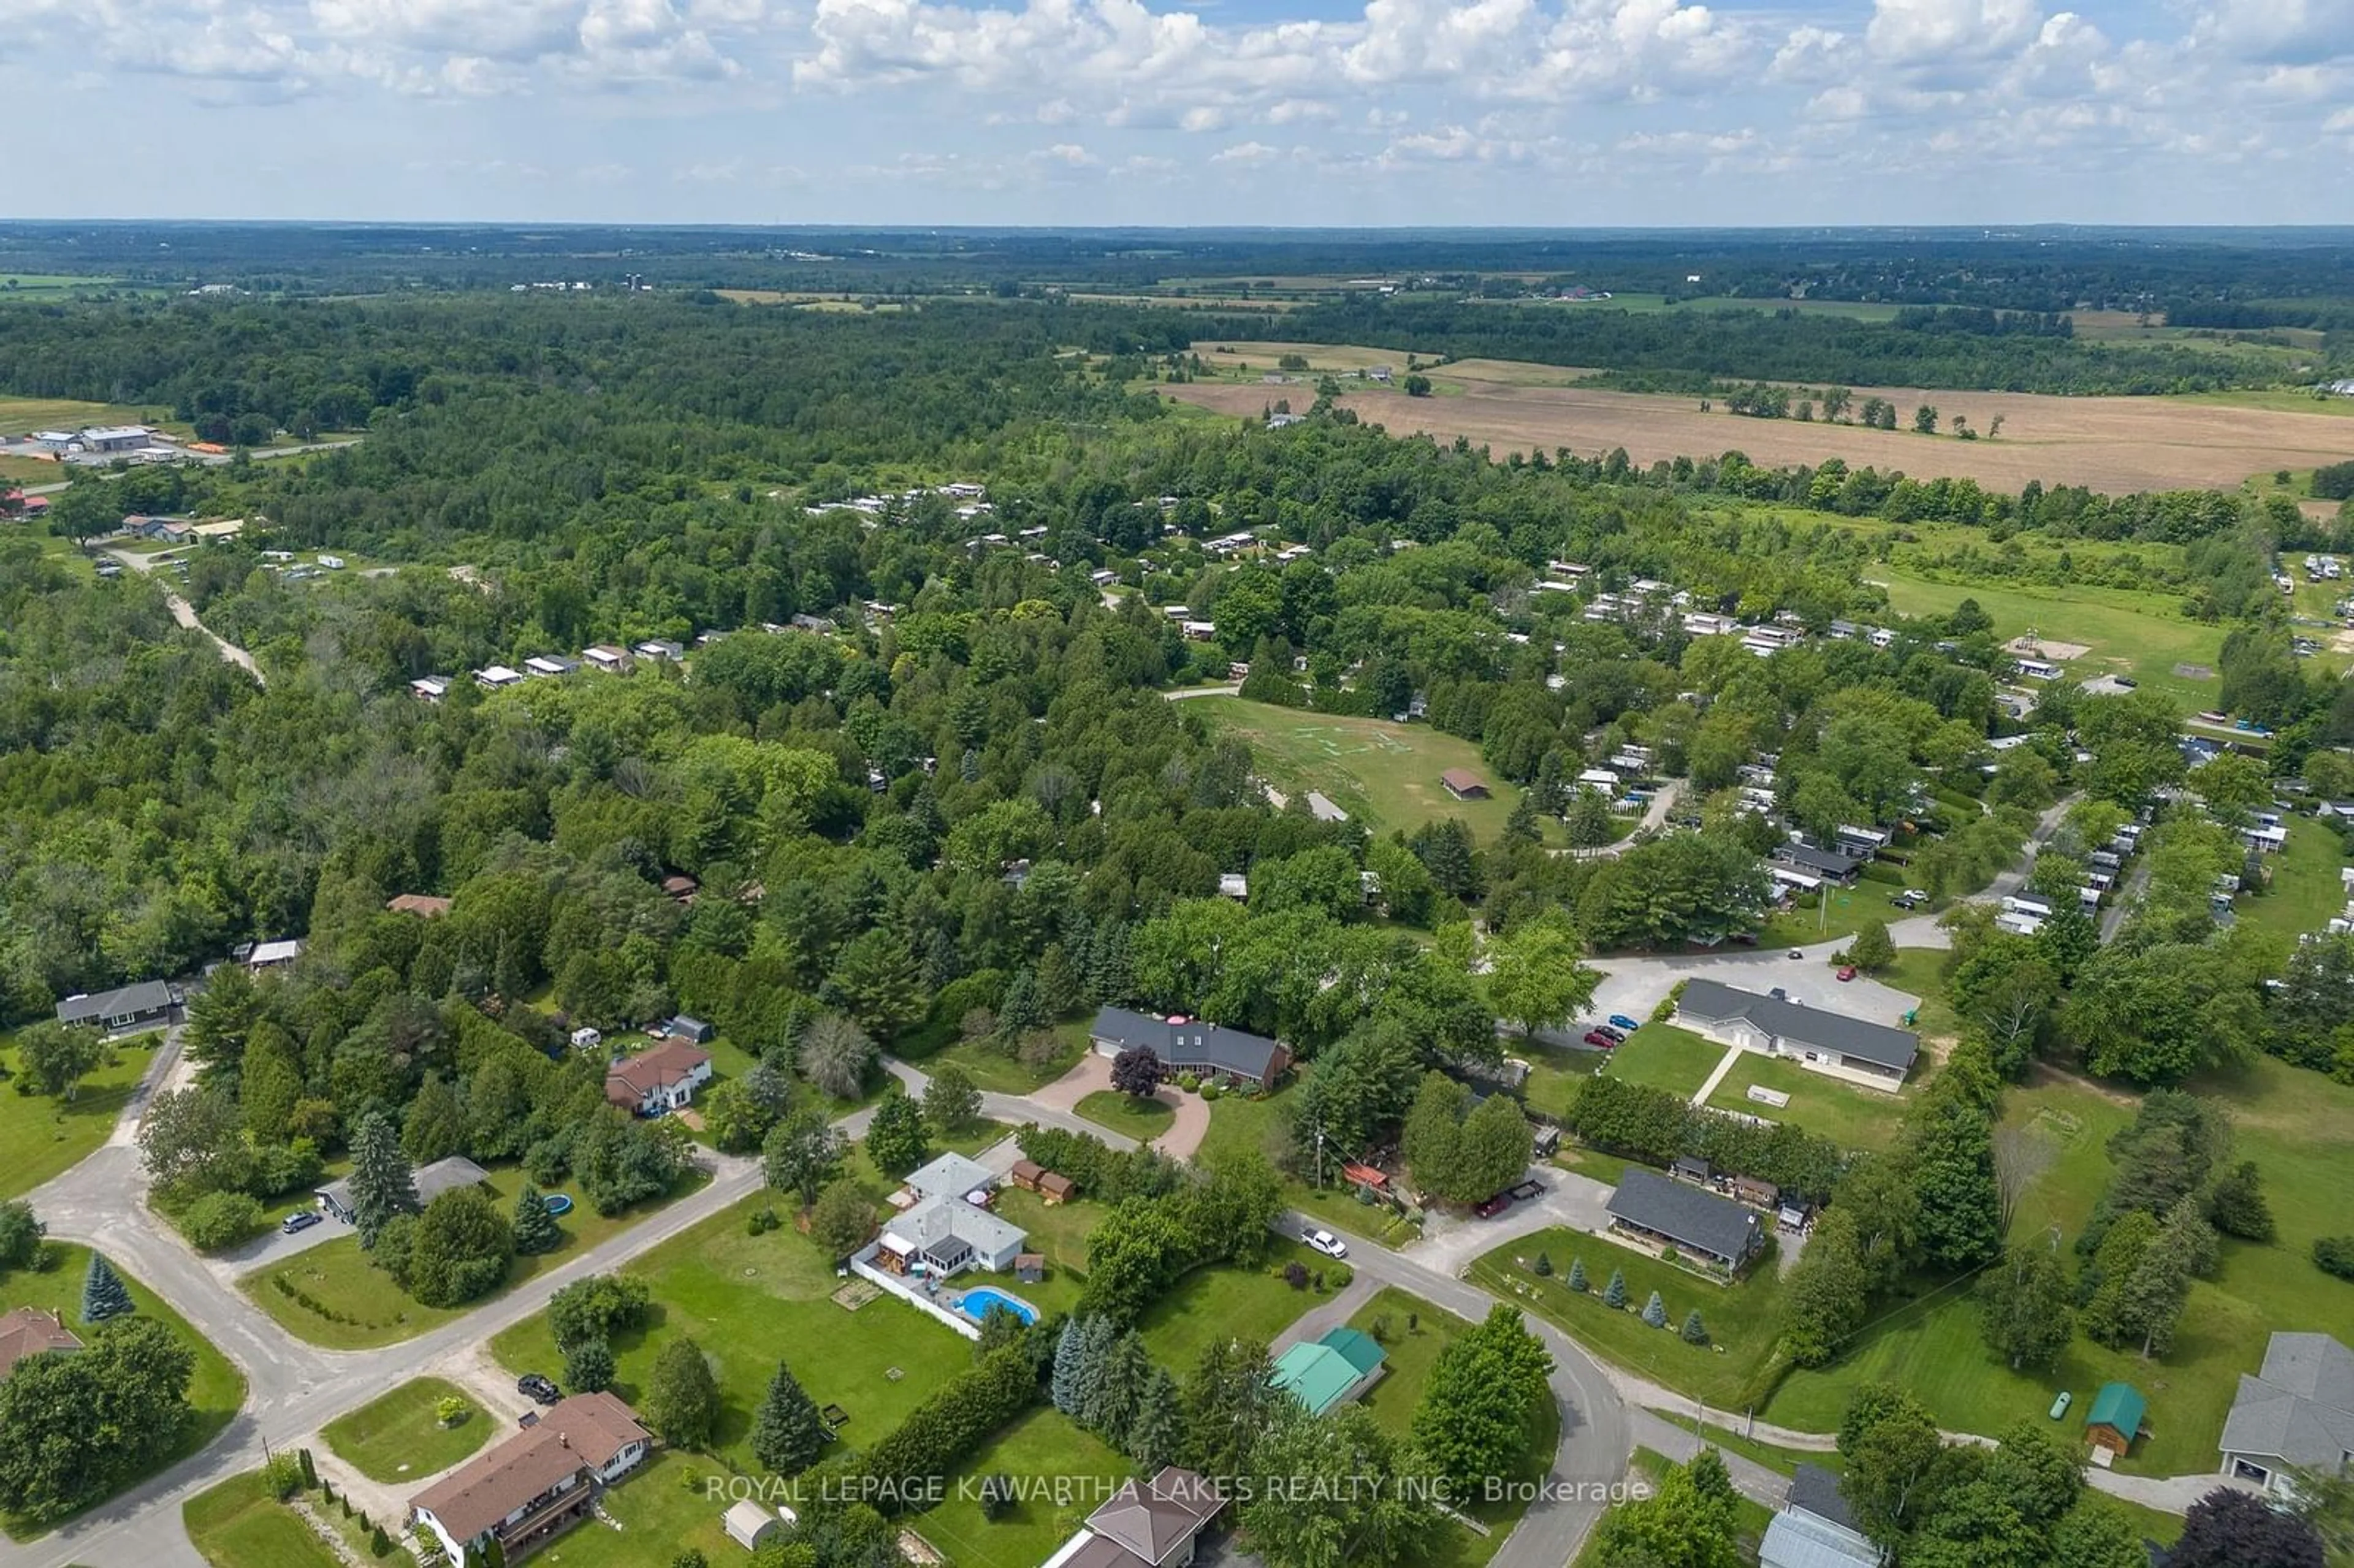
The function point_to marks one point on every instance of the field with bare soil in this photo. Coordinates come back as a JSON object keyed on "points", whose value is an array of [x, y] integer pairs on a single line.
{"points": [[2117, 445]]}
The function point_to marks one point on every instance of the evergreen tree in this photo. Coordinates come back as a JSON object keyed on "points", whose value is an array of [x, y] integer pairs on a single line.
{"points": [[1111, 1406], [589, 1364], [788, 1432], [435, 1126], [1655, 1311], [1159, 1427], [1544, 1266], [103, 1294], [1695, 1332], [382, 1184], [1079, 1388], [310, 1470], [1577, 1275], [535, 1228], [680, 1399], [1614, 1295], [897, 1140]]}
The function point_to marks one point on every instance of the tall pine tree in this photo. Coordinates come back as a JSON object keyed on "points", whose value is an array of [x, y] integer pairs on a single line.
{"points": [[382, 1184], [103, 1294], [1154, 1435], [534, 1228], [788, 1434]]}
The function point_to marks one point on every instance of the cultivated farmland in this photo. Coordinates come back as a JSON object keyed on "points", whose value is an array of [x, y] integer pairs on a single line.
{"points": [[2117, 445]]}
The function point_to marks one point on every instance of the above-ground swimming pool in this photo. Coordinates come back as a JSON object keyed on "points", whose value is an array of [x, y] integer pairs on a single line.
{"points": [[978, 1302]]}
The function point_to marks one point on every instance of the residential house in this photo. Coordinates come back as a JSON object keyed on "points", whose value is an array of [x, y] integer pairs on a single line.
{"points": [[1816, 1529], [1656, 1211], [1850, 1048], [275, 954], [662, 1079], [432, 1180], [1830, 864], [546, 666], [1325, 1371], [2114, 1420], [662, 650], [497, 677], [430, 688], [516, 1497], [1147, 1524], [1863, 843], [30, 1331], [1464, 784], [946, 1226], [613, 660], [1190, 1046], [2297, 1412], [126, 1006], [424, 905]]}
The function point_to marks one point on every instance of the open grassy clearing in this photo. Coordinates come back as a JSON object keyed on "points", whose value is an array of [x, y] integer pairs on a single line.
{"points": [[237, 1524], [1384, 775], [215, 1389], [2118, 445], [1666, 1057], [1744, 1319], [1061, 1473], [371, 1310], [2304, 891], [2299, 1129], [1921, 972], [22, 416], [43, 1137], [1554, 1076], [2144, 635], [1412, 1354], [1848, 1114], [400, 1436], [1143, 1120], [991, 1070]]}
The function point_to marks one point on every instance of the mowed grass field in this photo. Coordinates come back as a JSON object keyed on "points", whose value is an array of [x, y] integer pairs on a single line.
{"points": [[237, 1524], [44, 1137], [1384, 775], [2117, 445], [2298, 1127], [1663, 1056], [2144, 635], [1848, 1114], [399, 1436], [22, 416]]}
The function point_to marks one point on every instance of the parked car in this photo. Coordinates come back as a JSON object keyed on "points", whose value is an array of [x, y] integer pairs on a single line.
{"points": [[1487, 1209], [297, 1221], [1621, 1020], [1527, 1191], [1602, 1039], [1797, 952], [537, 1389], [1326, 1243], [1917, 895], [1904, 901], [1780, 994], [1847, 972], [1615, 1033]]}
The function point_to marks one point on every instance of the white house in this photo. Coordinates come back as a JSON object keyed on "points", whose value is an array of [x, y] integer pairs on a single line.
{"points": [[496, 677], [661, 1079]]}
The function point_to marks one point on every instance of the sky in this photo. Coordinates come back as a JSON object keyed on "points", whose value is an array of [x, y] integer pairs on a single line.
{"points": [[1537, 112]]}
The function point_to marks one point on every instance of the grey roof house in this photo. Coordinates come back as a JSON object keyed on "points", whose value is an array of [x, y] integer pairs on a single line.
{"points": [[2296, 1413], [1815, 861], [948, 1227], [1145, 1524], [1654, 1209], [125, 1007], [1852, 1048], [432, 1180], [1190, 1046], [1815, 1529]]}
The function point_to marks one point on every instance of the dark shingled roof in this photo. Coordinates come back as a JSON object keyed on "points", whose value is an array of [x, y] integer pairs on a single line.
{"points": [[1685, 1214], [127, 1001], [1816, 1490], [1192, 1044], [1713, 1001]]}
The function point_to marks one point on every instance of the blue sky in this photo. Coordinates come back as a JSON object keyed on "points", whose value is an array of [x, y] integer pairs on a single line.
{"points": [[1262, 111]]}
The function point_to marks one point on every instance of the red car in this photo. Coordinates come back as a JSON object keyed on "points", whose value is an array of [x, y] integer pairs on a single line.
{"points": [[1600, 1040], [1491, 1207], [1847, 972]]}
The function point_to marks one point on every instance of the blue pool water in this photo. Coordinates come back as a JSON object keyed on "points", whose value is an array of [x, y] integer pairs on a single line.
{"points": [[978, 1303]]}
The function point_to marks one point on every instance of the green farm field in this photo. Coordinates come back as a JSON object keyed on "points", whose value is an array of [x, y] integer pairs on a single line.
{"points": [[1384, 775]]}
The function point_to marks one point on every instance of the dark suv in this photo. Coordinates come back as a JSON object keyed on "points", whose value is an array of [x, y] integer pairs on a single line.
{"points": [[537, 1389]]}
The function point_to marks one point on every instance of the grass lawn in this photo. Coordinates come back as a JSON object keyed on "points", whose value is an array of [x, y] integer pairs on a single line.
{"points": [[1921, 972], [662, 1511], [1061, 1472], [1391, 1402], [2298, 1127], [371, 1310], [1142, 1120], [214, 1391], [1849, 1115], [1245, 1122], [22, 416], [399, 1438], [1384, 775], [1554, 1076], [1212, 1304], [43, 1137], [751, 1302], [1804, 923], [1742, 1319], [2305, 891], [1666, 1057], [2130, 633], [990, 1070], [237, 1524]]}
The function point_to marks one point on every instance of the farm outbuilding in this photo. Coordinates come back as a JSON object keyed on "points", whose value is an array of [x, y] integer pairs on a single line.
{"points": [[2115, 1417]]}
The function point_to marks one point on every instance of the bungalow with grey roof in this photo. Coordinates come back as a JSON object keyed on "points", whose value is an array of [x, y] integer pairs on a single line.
{"points": [[2296, 1414], [1657, 1213], [1852, 1048]]}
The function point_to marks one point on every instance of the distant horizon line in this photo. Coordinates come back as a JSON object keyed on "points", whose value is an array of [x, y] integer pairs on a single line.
{"points": [[1981, 229]]}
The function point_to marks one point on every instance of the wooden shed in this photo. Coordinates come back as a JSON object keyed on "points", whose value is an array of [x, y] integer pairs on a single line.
{"points": [[2115, 1417]]}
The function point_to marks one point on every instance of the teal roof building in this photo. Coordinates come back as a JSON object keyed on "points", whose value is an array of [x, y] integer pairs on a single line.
{"points": [[1331, 1370]]}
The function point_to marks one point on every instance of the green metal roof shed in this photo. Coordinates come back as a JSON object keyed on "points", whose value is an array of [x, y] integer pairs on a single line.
{"points": [[1326, 1371], [2116, 1416]]}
